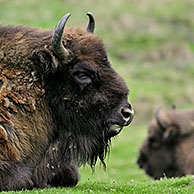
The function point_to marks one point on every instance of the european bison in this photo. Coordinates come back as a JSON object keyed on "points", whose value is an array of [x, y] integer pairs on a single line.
{"points": [[168, 149], [60, 104]]}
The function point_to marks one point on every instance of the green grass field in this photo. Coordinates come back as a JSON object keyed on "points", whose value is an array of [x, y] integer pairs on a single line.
{"points": [[151, 44]]}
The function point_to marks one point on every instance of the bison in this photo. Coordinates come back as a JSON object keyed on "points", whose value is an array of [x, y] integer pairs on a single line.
{"points": [[61, 102], [168, 149]]}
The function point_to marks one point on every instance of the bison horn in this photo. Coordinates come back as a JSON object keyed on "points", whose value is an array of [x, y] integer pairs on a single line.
{"points": [[91, 24], [158, 119], [57, 45]]}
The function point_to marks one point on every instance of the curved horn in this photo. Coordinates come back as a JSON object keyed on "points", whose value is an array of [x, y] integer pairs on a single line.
{"points": [[156, 114], [91, 25], [57, 46]]}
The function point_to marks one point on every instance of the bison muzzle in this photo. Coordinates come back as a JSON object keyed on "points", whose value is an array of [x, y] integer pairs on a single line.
{"points": [[60, 104]]}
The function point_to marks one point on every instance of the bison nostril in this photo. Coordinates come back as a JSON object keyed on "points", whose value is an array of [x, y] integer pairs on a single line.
{"points": [[127, 113]]}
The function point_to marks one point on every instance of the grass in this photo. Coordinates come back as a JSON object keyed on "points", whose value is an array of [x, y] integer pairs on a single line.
{"points": [[151, 44], [182, 185]]}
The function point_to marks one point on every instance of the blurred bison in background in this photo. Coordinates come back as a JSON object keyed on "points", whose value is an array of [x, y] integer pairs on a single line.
{"points": [[60, 104], [169, 148]]}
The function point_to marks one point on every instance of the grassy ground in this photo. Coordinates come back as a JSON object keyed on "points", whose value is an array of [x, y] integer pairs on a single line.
{"points": [[182, 185], [151, 45]]}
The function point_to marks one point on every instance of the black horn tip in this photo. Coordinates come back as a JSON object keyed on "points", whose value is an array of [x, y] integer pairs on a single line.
{"points": [[89, 14], [57, 45], [91, 24], [61, 24], [66, 15]]}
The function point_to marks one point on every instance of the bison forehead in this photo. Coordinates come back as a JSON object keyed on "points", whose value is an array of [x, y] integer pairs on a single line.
{"points": [[90, 44], [84, 45]]}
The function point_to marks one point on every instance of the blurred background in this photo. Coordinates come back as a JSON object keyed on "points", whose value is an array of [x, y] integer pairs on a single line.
{"points": [[150, 44]]}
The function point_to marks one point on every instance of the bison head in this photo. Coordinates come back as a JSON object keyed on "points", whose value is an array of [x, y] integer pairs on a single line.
{"points": [[159, 160], [87, 98], [158, 152]]}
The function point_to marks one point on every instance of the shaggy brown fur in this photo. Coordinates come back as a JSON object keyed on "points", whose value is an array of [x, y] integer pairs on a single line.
{"points": [[169, 151], [55, 116]]}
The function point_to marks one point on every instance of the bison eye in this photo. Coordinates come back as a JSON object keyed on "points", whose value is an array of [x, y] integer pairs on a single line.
{"points": [[82, 79]]}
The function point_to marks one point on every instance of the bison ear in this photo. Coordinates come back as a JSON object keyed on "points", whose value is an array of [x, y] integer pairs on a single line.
{"points": [[171, 133], [46, 60]]}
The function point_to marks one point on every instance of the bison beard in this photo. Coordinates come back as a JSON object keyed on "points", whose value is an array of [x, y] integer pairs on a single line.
{"points": [[60, 104]]}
